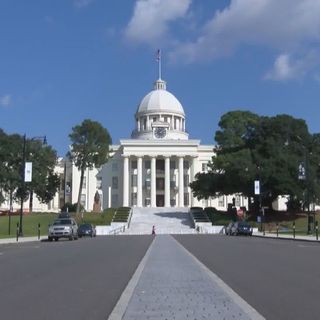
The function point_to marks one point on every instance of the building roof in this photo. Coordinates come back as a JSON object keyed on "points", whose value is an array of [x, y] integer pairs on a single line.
{"points": [[160, 100]]}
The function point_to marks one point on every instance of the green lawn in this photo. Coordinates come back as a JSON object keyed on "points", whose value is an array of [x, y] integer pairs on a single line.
{"points": [[283, 219], [30, 222]]}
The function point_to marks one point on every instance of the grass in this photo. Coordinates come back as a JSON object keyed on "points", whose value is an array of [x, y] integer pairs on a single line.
{"points": [[283, 219], [31, 221]]}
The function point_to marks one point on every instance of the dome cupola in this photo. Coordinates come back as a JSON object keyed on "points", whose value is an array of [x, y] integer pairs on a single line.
{"points": [[160, 115]]}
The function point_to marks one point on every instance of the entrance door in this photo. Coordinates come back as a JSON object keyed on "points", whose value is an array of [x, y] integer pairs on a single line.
{"points": [[160, 200]]}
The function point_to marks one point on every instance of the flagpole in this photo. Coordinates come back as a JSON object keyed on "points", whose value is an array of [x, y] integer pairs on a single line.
{"points": [[159, 63]]}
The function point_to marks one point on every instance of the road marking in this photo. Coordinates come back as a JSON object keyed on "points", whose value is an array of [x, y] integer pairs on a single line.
{"points": [[120, 308]]}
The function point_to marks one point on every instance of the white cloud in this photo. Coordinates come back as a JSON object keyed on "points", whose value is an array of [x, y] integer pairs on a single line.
{"points": [[82, 3], [6, 100], [291, 26], [287, 67], [151, 18]]}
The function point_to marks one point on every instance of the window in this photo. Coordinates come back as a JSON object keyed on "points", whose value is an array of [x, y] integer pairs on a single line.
{"points": [[186, 199], [114, 200], [238, 201], [172, 202], [147, 184], [160, 183], [114, 182], [147, 202], [204, 167], [84, 183], [186, 164], [147, 164], [221, 201], [134, 164], [172, 164], [99, 183], [160, 165], [134, 198], [134, 180], [186, 180], [145, 124]]}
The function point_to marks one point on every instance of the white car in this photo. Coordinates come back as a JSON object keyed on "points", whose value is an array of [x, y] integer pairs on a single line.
{"points": [[63, 228]]}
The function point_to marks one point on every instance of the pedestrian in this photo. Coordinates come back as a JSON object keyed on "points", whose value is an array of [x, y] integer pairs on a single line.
{"points": [[154, 230]]}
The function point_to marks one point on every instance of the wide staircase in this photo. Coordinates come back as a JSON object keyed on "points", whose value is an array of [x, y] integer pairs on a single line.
{"points": [[165, 221]]}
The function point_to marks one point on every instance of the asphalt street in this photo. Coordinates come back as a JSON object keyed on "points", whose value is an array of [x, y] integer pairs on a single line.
{"points": [[67, 279], [84, 279], [279, 278]]}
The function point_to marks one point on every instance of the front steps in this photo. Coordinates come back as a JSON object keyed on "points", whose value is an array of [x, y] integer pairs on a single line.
{"points": [[165, 220]]}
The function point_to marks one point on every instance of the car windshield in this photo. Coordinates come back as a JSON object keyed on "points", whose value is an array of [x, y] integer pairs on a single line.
{"points": [[62, 222], [85, 226], [243, 224]]}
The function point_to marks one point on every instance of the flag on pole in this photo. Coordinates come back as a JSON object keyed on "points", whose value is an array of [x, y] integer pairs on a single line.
{"points": [[158, 55]]}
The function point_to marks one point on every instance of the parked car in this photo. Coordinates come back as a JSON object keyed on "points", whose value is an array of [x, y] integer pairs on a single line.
{"points": [[230, 229], [86, 229], [63, 228], [243, 228]]}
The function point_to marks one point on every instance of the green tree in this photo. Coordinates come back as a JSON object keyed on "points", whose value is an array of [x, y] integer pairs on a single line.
{"points": [[45, 182], [270, 149], [90, 143]]}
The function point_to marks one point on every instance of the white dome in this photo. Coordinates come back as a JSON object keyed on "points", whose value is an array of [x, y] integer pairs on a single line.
{"points": [[160, 100]]}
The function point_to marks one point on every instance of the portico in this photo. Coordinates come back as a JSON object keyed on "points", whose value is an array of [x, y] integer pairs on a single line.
{"points": [[157, 180]]}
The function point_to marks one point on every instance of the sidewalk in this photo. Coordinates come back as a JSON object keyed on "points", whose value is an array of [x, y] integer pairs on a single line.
{"points": [[170, 283], [286, 236], [21, 239]]}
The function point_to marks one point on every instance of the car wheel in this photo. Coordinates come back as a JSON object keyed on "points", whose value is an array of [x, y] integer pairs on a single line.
{"points": [[50, 238], [56, 239]]}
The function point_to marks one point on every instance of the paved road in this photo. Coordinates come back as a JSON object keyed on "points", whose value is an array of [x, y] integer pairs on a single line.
{"points": [[67, 280], [279, 278]]}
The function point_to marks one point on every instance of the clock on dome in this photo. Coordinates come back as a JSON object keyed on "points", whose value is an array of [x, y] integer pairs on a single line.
{"points": [[160, 132]]}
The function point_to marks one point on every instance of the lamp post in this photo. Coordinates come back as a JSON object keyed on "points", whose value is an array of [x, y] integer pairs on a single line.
{"points": [[303, 174], [23, 178]]}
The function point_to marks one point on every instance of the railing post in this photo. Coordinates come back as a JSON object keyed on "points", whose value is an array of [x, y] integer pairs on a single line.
{"points": [[38, 231], [294, 229], [277, 229], [317, 234]]}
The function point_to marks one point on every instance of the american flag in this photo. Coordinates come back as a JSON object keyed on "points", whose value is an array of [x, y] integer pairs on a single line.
{"points": [[158, 55]]}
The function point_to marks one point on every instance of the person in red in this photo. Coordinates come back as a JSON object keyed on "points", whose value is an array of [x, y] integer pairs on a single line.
{"points": [[154, 230]]}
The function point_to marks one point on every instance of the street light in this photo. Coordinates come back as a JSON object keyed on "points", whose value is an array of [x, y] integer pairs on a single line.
{"points": [[23, 176]]}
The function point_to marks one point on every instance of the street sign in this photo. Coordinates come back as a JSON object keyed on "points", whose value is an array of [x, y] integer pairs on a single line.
{"points": [[256, 187], [28, 172]]}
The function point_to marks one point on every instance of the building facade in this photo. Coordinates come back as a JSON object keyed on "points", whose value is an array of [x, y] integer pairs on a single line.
{"points": [[156, 165]]}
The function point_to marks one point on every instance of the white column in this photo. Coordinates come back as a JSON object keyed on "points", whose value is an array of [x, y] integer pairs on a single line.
{"points": [[148, 123], [167, 182], [181, 186], [138, 124], [126, 181], [139, 183], [109, 197], [153, 182], [192, 174]]}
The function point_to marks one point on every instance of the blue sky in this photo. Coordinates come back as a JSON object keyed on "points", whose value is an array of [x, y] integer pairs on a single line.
{"points": [[63, 61]]}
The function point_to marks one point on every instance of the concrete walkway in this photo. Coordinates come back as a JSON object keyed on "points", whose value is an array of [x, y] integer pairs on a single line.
{"points": [[171, 284]]}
